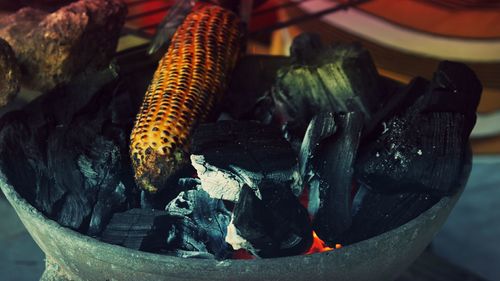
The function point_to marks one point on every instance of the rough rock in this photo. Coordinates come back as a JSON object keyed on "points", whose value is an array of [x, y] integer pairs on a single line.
{"points": [[54, 47], [9, 73]]}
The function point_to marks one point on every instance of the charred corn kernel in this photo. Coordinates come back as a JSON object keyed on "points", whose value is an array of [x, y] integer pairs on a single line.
{"points": [[190, 79]]}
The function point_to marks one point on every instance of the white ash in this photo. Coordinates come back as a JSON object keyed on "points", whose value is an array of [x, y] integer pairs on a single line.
{"points": [[234, 239], [218, 183]]}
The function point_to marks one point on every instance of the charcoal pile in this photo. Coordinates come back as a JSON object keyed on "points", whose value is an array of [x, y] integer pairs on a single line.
{"points": [[323, 145]]}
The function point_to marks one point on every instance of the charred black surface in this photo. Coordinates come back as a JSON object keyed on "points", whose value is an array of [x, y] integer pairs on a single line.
{"points": [[230, 154], [335, 167], [276, 225], [336, 78], [67, 154], [199, 225], [249, 91], [322, 126], [139, 229], [376, 213], [422, 147]]}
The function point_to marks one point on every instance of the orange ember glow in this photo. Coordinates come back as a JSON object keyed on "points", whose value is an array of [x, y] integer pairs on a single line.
{"points": [[318, 246]]}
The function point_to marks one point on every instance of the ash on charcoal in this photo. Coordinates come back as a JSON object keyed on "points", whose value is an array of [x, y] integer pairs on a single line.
{"points": [[336, 78], [423, 147], [376, 213], [274, 226], [230, 154], [10, 74], [138, 229], [52, 48], [334, 168], [199, 225], [67, 154]]}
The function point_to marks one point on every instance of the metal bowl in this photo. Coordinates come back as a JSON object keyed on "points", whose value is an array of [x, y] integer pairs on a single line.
{"points": [[73, 256]]}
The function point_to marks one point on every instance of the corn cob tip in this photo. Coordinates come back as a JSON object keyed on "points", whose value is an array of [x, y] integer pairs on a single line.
{"points": [[153, 171]]}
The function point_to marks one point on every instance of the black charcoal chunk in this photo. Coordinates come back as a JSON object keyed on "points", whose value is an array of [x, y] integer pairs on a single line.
{"points": [[199, 225], [305, 48], [376, 213], [230, 154], [321, 127], [455, 88], [248, 96], [334, 163], [339, 78], [139, 229], [67, 152], [395, 104], [274, 226], [421, 154]]}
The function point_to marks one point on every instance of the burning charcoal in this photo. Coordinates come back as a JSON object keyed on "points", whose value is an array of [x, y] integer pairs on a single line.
{"points": [[9, 73], [338, 78], [200, 225], [230, 154], [334, 163], [274, 226], [249, 90], [321, 127], [138, 229], [52, 48], [376, 213]]}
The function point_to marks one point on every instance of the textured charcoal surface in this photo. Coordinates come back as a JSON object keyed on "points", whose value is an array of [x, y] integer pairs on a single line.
{"points": [[248, 96], [199, 225], [54, 47], [337, 78], [138, 229], [230, 154], [375, 213], [321, 127], [67, 154], [10, 74], [423, 146], [334, 163], [274, 226]]}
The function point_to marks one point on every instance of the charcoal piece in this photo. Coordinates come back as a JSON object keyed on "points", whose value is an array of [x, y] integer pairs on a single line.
{"points": [[305, 48], [230, 154], [321, 127], [138, 229], [52, 48], [67, 154], [395, 104], [340, 78], [168, 26], [335, 167], [455, 88], [248, 96], [423, 153], [274, 226], [200, 225], [375, 213], [10, 73]]}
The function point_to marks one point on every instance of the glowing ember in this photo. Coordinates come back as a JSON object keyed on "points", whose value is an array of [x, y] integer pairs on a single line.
{"points": [[318, 246]]}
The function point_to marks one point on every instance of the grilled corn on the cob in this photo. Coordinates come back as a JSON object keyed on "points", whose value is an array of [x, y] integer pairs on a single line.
{"points": [[187, 84]]}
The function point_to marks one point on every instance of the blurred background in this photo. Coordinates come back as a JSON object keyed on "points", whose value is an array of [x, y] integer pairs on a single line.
{"points": [[406, 39]]}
